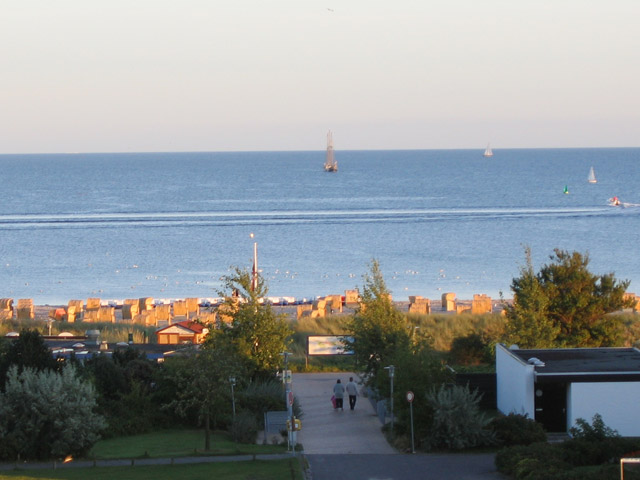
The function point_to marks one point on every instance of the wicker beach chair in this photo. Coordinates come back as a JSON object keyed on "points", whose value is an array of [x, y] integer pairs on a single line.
{"points": [[75, 309], [193, 307], [180, 311], [6, 308], [130, 308], [25, 310]]}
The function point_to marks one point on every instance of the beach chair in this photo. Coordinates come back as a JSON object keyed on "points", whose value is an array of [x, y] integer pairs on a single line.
{"points": [[163, 314], [75, 309], [93, 304], [193, 307], [25, 310], [180, 311], [130, 308], [6, 308], [145, 303], [107, 314]]}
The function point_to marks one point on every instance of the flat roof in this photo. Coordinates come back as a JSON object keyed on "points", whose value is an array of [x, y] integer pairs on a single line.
{"points": [[582, 364]]}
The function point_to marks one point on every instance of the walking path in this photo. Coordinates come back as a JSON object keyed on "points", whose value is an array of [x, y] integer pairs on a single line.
{"points": [[325, 430], [346, 444]]}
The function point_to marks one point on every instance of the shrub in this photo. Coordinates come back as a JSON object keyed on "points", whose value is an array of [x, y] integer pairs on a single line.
{"points": [[594, 432], [522, 461], [457, 420], [47, 414], [245, 428], [516, 429], [470, 350]]}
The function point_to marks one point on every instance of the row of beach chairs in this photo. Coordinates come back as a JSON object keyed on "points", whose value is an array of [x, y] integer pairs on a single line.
{"points": [[24, 309], [140, 310]]}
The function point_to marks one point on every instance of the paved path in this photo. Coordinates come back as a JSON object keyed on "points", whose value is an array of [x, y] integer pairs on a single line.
{"points": [[325, 430], [351, 444]]}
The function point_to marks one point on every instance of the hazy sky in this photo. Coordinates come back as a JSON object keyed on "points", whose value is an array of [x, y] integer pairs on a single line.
{"points": [[169, 75]]}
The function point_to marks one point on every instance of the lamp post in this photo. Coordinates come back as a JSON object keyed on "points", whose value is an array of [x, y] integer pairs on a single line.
{"points": [[232, 381], [254, 270], [286, 378], [391, 369]]}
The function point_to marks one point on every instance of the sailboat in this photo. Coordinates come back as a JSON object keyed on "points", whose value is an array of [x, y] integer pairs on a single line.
{"points": [[488, 152], [592, 176], [330, 163]]}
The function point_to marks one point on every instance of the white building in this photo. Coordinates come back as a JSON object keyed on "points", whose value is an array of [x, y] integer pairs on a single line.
{"points": [[557, 386]]}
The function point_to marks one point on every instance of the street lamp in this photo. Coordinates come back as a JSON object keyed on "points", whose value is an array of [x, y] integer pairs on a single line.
{"points": [[232, 381], [254, 271], [286, 378], [391, 369]]}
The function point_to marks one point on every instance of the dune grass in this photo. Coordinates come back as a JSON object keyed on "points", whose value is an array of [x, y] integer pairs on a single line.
{"points": [[175, 443], [248, 470]]}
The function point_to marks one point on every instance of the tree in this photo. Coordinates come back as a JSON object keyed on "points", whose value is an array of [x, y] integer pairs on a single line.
{"points": [[28, 350], [378, 328], [47, 414], [202, 385], [529, 323], [565, 305], [258, 335]]}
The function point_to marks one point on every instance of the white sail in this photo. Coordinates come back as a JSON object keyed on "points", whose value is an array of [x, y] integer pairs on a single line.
{"points": [[592, 176], [330, 163], [488, 152]]}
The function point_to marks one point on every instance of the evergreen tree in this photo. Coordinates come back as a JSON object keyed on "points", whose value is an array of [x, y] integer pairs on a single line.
{"points": [[257, 334], [565, 305], [529, 323]]}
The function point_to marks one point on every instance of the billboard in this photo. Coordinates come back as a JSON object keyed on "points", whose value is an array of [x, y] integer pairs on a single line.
{"points": [[328, 344]]}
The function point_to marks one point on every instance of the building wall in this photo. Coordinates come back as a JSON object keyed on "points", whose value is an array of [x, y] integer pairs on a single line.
{"points": [[616, 402], [515, 382]]}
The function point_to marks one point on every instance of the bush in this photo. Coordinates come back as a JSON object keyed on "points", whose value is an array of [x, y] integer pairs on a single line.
{"points": [[522, 461], [594, 432], [47, 414], [245, 428], [516, 429], [470, 350], [457, 420]]}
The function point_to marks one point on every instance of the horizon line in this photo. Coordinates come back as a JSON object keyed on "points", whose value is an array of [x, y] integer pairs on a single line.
{"points": [[143, 152]]}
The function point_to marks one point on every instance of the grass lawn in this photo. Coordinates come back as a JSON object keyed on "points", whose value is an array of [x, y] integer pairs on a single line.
{"points": [[175, 443], [251, 470]]}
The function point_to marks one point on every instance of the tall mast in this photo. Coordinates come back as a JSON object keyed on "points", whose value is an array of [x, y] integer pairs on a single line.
{"points": [[330, 159]]}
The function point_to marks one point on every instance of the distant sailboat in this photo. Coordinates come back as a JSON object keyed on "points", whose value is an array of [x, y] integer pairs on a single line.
{"points": [[330, 163], [592, 176], [488, 152], [566, 190]]}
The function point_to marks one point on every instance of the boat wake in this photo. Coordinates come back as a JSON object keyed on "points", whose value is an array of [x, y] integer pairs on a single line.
{"points": [[285, 217]]}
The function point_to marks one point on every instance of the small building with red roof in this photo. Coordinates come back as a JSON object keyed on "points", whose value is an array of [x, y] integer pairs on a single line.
{"points": [[182, 332]]}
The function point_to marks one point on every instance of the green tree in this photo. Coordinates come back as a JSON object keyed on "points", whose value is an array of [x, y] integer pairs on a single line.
{"points": [[378, 328], [257, 334], [579, 301], [202, 385], [27, 351], [529, 322], [47, 414], [565, 305]]}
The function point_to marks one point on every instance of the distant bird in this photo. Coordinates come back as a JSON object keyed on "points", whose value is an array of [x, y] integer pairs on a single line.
{"points": [[330, 9]]}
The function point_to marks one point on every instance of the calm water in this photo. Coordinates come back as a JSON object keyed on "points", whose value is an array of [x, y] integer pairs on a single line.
{"points": [[169, 225]]}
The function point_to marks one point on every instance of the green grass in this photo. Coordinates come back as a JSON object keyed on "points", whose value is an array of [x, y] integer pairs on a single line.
{"points": [[175, 443], [249, 470]]}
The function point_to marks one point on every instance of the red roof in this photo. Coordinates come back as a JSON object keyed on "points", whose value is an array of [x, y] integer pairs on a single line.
{"points": [[195, 327]]}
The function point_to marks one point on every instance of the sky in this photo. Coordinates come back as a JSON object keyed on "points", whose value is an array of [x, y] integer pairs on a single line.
{"points": [[245, 75]]}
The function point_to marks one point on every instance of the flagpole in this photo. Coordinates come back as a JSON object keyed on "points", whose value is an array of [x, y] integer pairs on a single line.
{"points": [[254, 272]]}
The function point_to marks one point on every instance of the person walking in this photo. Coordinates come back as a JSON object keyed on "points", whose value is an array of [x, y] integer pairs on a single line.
{"points": [[338, 392], [352, 391]]}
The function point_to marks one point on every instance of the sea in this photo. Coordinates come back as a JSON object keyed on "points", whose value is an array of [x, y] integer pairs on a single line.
{"points": [[171, 225]]}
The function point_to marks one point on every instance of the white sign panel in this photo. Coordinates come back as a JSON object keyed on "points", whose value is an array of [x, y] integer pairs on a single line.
{"points": [[328, 344]]}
